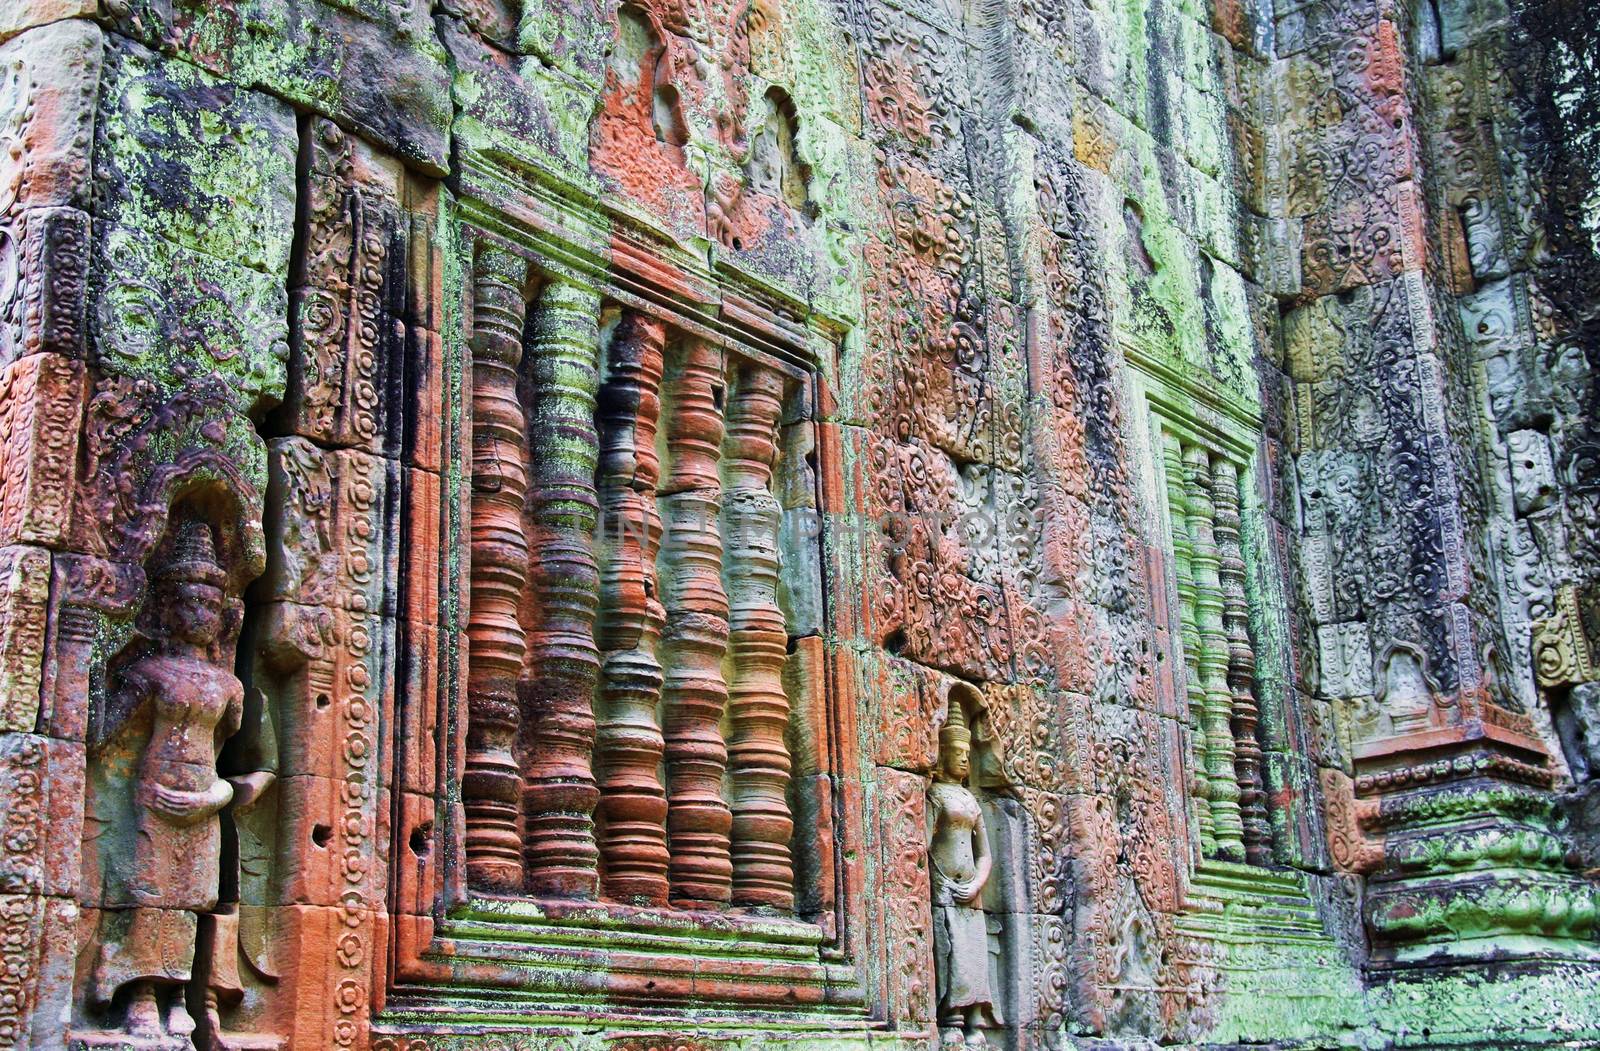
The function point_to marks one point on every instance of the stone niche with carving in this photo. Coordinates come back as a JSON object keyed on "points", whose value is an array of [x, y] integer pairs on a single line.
{"points": [[978, 835]]}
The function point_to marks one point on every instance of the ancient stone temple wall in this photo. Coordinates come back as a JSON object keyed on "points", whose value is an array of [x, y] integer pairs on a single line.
{"points": [[897, 523]]}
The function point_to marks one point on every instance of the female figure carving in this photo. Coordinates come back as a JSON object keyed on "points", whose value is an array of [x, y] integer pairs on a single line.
{"points": [[192, 703], [958, 855]]}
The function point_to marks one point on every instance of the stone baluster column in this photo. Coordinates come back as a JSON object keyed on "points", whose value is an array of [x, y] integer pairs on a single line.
{"points": [[563, 665], [1178, 512], [1257, 830], [696, 634], [758, 708], [1205, 563], [491, 781], [633, 803]]}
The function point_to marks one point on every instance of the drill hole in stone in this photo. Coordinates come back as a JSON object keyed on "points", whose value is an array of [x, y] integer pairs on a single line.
{"points": [[323, 700], [320, 835], [421, 841]]}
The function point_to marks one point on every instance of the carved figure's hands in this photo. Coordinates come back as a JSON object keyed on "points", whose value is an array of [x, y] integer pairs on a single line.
{"points": [[183, 807], [966, 892], [248, 788]]}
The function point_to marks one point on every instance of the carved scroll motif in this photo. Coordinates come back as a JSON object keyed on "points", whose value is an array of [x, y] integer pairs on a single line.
{"points": [[491, 783], [633, 801], [696, 635], [563, 662], [758, 708], [346, 305], [1563, 654]]}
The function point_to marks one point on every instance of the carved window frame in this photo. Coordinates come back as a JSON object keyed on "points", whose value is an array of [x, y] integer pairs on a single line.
{"points": [[553, 958], [1204, 416]]}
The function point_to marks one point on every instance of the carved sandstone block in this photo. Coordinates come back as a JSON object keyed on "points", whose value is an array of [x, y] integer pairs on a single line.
{"points": [[816, 846], [418, 864], [417, 727], [805, 681], [1350, 848], [41, 814], [22, 921], [41, 402], [376, 67], [423, 560], [641, 133], [1345, 660], [24, 599], [1533, 477], [195, 159], [44, 305], [1564, 643], [333, 840], [537, 122], [141, 446], [165, 313], [800, 561], [430, 422], [904, 702], [325, 955], [48, 81], [330, 675], [902, 829], [354, 301], [1296, 798], [330, 539]]}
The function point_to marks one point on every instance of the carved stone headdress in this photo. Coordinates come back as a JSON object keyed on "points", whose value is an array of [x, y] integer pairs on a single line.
{"points": [[193, 558], [955, 727]]}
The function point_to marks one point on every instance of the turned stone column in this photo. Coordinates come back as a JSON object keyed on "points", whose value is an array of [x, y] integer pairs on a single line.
{"points": [[563, 663], [1257, 830], [1205, 564], [1178, 515], [758, 708], [491, 781], [633, 802], [696, 634]]}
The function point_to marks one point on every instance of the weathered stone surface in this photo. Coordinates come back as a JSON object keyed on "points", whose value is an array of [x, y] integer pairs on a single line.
{"points": [[329, 544], [51, 90], [373, 67], [41, 783], [195, 159], [41, 407], [46, 306], [24, 600], [165, 313], [578, 477]]}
